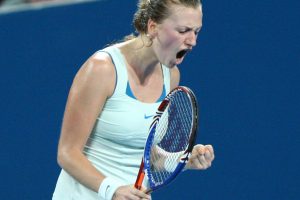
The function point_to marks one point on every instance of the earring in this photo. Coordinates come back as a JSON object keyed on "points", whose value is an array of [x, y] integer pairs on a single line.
{"points": [[149, 36], [150, 39]]}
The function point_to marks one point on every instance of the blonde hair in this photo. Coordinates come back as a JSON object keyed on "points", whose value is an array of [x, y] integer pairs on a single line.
{"points": [[157, 10]]}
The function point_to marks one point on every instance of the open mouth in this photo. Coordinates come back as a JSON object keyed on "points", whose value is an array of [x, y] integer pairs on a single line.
{"points": [[181, 53]]}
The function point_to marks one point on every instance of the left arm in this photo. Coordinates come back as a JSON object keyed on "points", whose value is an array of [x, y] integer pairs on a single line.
{"points": [[202, 155], [200, 159]]}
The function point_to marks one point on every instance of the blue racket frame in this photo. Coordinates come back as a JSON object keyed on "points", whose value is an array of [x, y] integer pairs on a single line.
{"points": [[150, 139], [147, 164]]}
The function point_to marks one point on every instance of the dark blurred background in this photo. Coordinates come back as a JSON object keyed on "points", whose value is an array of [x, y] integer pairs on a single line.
{"points": [[244, 71]]}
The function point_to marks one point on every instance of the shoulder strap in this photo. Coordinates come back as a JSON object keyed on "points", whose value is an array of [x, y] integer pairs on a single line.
{"points": [[120, 67], [167, 78]]}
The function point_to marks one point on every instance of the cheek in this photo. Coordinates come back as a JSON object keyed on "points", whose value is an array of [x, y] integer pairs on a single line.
{"points": [[169, 40]]}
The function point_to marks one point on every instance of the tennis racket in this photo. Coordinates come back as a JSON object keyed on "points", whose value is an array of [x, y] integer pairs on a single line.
{"points": [[171, 139]]}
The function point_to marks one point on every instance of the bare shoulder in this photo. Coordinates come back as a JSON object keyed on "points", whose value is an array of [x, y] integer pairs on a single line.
{"points": [[90, 89], [175, 77], [97, 74]]}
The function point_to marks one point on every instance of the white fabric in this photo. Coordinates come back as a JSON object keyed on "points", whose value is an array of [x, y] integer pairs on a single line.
{"points": [[108, 188], [116, 144]]}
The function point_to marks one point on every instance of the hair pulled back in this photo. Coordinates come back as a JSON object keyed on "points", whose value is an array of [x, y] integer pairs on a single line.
{"points": [[157, 10]]}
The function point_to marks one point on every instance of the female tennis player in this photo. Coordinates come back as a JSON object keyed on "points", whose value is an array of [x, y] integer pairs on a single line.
{"points": [[113, 98]]}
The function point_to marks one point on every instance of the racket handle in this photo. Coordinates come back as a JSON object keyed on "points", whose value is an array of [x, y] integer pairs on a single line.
{"points": [[140, 177]]}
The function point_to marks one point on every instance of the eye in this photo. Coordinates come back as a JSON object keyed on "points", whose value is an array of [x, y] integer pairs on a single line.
{"points": [[197, 31], [183, 31]]}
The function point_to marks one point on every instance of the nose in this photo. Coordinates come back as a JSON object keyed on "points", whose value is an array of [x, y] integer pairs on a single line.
{"points": [[191, 39]]}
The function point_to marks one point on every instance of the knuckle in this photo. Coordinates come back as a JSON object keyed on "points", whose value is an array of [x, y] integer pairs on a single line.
{"points": [[199, 166]]}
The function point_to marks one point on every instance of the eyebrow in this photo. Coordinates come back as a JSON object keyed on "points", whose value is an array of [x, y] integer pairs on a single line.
{"points": [[197, 29], [190, 28]]}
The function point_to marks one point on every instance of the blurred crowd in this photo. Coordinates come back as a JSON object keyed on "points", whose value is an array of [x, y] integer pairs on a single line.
{"points": [[18, 2], [7, 6]]}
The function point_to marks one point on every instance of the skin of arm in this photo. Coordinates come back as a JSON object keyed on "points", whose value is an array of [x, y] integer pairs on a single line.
{"points": [[158, 156], [202, 155], [92, 85]]}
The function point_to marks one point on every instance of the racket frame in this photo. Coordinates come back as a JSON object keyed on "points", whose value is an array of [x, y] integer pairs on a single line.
{"points": [[145, 163]]}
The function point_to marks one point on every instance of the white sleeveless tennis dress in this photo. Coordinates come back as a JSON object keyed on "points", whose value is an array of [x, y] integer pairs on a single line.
{"points": [[116, 144]]}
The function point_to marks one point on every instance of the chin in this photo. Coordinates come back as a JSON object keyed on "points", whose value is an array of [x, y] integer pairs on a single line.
{"points": [[171, 65]]}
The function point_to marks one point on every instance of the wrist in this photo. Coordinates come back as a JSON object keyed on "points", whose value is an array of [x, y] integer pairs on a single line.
{"points": [[108, 187], [170, 164]]}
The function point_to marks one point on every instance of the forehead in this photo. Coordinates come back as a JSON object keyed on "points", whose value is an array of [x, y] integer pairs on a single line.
{"points": [[185, 16]]}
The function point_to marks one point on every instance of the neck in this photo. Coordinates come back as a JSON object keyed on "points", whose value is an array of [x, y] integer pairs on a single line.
{"points": [[140, 57]]}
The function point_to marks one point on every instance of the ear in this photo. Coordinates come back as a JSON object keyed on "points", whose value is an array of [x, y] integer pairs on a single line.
{"points": [[152, 28]]}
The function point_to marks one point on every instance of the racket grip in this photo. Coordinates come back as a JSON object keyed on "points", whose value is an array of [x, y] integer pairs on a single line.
{"points": [[140, 178]]}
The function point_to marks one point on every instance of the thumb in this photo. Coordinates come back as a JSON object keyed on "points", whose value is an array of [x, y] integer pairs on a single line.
{"points": [[146, 190]]}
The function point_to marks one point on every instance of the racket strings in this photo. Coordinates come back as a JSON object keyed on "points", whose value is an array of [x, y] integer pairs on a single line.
{"points": [[171, 137]]}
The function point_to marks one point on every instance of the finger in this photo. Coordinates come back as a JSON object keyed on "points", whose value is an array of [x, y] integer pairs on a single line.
{"points": [[146, 190], [204, 163], [196, 163], [146, 199], [132, 197], [141, 194], [199, 149], [208, 155], [210, 149]]}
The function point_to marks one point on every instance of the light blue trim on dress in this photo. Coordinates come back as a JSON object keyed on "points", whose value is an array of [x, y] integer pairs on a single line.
{"points": [[130, 93]]}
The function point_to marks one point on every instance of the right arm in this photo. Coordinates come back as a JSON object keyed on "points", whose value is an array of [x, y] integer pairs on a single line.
{"points": [[92, 85]]}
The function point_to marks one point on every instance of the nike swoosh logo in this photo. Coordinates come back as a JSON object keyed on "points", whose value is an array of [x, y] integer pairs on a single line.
{"points": [[148, 116]]}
